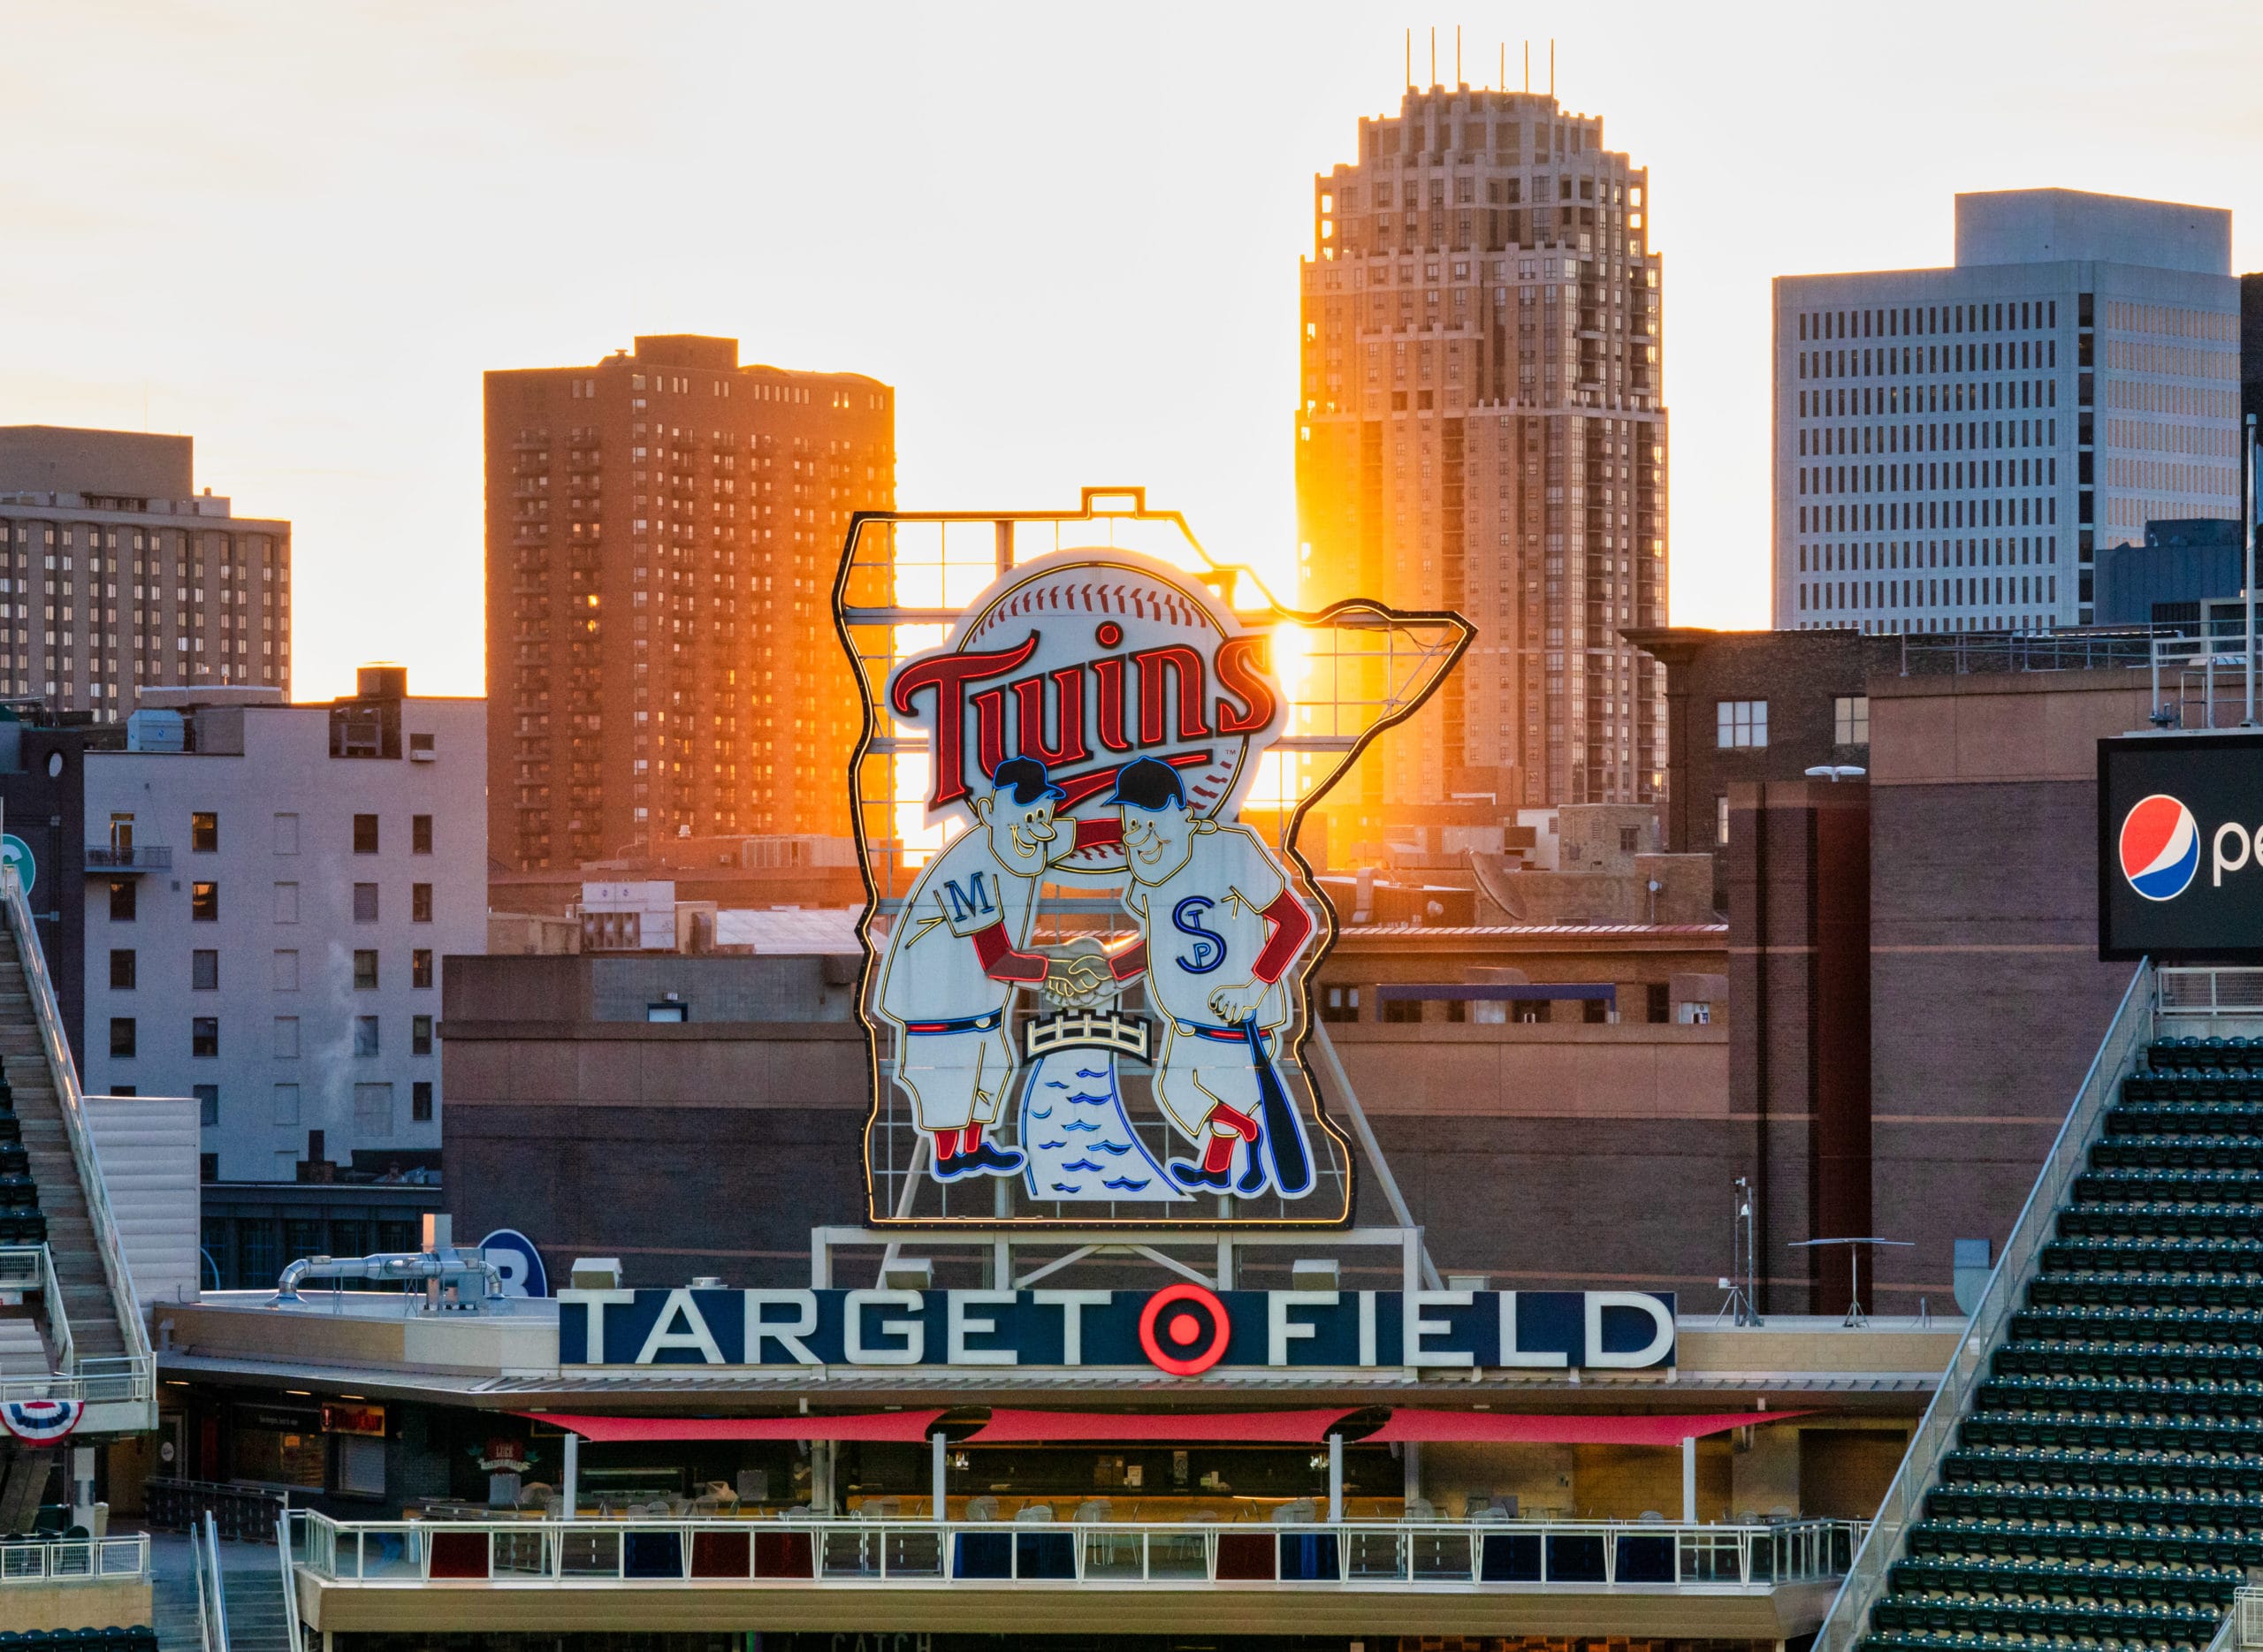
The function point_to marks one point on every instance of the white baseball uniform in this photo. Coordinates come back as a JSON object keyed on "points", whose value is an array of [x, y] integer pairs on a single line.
{"points": [[1204, 927], [955, 1051]]}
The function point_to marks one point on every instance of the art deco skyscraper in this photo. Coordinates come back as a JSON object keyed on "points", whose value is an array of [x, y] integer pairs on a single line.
{"points": [[1480, 428], [662, 532]]}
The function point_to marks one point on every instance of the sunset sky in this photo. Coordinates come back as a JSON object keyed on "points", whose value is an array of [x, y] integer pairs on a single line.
{"points": [[1068, 235]]}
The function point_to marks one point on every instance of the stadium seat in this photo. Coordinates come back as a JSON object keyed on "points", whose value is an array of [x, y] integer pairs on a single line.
{"points": [[2106, 1489]]}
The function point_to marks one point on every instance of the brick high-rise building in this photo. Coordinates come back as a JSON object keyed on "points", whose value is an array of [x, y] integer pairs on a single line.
{"points": [[124, 577], [1481, 429], [662, 532]]}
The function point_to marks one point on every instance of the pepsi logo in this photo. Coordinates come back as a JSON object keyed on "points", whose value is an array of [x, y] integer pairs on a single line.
{"points": [[2159, 846]]}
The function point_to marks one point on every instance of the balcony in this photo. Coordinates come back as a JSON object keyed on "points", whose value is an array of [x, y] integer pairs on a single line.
{"points": [[115, 857], [1760, 1582]]}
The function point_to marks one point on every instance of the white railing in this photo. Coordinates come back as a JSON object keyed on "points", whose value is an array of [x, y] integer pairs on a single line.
{"points": [[287, 1554], [1479, 1555], [31, 1267], [2207, 992], [103, 1559], [211, 1601], [1849, 1622], [71, 1104], [131, 1379], [2247, 1616]]}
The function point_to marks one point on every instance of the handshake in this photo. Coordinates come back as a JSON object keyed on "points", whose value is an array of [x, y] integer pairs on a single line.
{"points": [[1079, 979]]}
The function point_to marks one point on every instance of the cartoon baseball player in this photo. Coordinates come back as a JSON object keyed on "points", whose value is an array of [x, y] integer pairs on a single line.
{"points": [[1219, 930], [958, 953]]}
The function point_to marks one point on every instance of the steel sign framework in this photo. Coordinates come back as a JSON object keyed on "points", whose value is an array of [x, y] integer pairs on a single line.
{"points": [[1087, 752]]}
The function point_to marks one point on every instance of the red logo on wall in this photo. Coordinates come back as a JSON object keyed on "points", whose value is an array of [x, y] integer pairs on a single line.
{"points": [[1170, 1329]]}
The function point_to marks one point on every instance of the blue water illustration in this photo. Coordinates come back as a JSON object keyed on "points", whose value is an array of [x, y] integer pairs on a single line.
{"points": [[1094, 1157]]}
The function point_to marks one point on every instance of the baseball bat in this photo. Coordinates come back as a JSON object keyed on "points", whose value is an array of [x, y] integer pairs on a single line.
{"points": [[1284, 1131]]}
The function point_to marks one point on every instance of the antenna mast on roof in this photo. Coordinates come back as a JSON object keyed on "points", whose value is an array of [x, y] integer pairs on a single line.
{"points": [[1433, 57], [1410, 57], [1457, 55], [1551, 68], [1527, 65]]}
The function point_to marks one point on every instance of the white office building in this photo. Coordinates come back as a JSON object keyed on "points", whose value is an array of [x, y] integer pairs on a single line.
{"points": [[267, 908], [1953, 446]]}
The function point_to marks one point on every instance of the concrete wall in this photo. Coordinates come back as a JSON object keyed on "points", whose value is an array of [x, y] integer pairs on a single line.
{"points": [[1990, 999]]}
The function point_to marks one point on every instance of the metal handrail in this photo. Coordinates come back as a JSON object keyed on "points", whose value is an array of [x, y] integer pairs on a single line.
{"points": [[72, 1105], [32, 1267], [216, 1626], [295, 1638], [1867, 1580], [1707, 1559], [58, 1318]]}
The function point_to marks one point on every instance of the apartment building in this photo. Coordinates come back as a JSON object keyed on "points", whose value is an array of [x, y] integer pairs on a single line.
{"points": [[1954, 446], [117, 575], [1481, 427], [268, 895], [663, 528]]}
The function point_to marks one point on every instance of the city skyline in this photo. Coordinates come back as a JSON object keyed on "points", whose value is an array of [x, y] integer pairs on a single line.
{"points": [[326, 299]]}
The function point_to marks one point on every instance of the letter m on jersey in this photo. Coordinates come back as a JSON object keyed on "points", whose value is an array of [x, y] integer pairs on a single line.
{"points": [[968, 902]]}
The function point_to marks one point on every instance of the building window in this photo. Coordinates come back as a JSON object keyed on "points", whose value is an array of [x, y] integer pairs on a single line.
{"points": [[208, 1113], [419, 967], [1401, 1011], [420, 834], [1721, 819], [204, 902], [286, 902], [1657, 1002], [420, 1102], [1629, 838], [365, 1035], [365, 970], [121, 969], [365, 904], [204, 971], [372, 1111], [419, 1035], [1741, 723], [205, 1035], [121, 1035], [204, 833], [1850, 719], [1340, 1003], [1596, 1010], [287, 970], [365, 834], [208, 1164], [419, 902], [121, 900]]}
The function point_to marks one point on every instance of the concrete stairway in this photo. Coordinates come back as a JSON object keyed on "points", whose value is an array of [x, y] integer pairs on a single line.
{"points": [[252, 1575], [172, 1603], [80, 1261]]}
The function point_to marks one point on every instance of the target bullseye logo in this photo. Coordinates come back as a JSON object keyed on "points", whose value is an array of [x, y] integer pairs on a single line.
{"points": [[1171, 1330]]}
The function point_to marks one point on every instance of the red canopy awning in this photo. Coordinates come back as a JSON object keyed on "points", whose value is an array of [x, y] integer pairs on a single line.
{"points": [[891, 1424], [1478, 1426], [1243, 1427]]}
